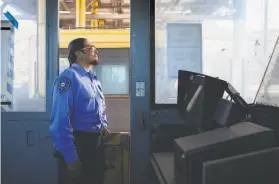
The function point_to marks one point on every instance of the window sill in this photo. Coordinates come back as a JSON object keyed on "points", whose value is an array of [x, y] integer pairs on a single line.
{"points": [[117, 97]]}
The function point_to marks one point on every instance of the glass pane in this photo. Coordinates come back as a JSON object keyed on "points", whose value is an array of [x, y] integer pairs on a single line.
{"points": [[114, 78], [23, 64], [237, 40], [268, 93], [113, 70], [63, 64]]}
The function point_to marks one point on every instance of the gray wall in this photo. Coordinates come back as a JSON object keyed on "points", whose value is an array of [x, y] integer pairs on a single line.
{"points": [[118, 112]]}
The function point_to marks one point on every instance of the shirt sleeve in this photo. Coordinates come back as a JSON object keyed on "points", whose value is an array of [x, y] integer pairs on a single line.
{"points": [[104, 120], [61, 128]]}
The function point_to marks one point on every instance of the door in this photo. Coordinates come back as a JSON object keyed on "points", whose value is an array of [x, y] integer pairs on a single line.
{"points": [[28, 63]]}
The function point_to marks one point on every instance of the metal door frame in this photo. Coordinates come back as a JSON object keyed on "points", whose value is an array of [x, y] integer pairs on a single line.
{"points": [[140, 106], [52, 48]]}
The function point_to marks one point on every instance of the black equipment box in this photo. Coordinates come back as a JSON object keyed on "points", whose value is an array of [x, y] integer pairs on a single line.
{"points": [[198, 97], [192, 151], [259, 167], [162, 136], [228, 113]]}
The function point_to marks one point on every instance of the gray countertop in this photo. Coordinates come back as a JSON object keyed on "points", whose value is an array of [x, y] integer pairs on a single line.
{"points": [[163, 164]]}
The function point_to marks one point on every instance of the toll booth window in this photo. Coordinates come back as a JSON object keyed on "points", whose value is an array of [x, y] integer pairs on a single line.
{"points": [[229, 39], [113, 70], [114, 79], [23, 64], [63, 64]]}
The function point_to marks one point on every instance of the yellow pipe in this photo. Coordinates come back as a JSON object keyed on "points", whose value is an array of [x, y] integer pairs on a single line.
{"points": [[101, 22], [110, 38], [106, 38], [94, 10], [77, 13], [94, 23], [82, 13]]}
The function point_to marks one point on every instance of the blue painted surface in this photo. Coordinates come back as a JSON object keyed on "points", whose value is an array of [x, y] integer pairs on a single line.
{"points": [[11, 19], [140, 71]]}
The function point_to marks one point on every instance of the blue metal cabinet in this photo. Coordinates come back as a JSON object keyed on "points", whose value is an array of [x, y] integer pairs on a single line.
{"points": [[26, 153]]}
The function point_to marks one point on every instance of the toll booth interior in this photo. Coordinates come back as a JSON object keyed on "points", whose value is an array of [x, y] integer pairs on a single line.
{"points": [[192, 84], [216, 128]]}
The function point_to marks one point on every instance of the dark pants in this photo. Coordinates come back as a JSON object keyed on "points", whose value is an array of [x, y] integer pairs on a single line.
{"points": [[92, 156]]}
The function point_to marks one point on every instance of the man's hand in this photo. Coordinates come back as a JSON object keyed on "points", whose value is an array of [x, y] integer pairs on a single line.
{"points": [[104, 132], [75, 170]]}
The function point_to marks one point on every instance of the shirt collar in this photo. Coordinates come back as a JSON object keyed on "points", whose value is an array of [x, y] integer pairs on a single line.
{"points": [[81, 70]]}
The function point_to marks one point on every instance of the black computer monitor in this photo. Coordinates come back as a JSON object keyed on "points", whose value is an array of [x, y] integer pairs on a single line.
{"points": [[198, 96]]}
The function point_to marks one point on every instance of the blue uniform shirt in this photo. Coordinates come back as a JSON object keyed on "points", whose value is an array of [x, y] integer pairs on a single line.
{"points": [[78, 105]]}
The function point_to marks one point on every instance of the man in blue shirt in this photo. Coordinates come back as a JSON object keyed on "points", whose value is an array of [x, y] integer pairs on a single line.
{"points": [[78, 119]]}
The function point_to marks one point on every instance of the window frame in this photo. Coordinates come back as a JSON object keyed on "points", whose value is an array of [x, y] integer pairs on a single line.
{"points": [[153, 104]]}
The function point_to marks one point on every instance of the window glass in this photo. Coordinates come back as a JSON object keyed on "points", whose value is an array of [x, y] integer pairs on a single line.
{"points": [[23, 79], [237, 38], [113, 70], [63, 64], [114, 78]]}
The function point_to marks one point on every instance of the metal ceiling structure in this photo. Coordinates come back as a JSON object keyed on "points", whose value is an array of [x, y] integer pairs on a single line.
{"points": [[115, 14], [110, 19], [106, 14]]}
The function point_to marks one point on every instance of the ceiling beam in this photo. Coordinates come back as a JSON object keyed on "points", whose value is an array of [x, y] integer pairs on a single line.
{"points": [[65, 6], [97, 16], [107, 38]]}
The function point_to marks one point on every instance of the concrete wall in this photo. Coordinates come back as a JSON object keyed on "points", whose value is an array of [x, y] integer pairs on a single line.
{"points": [[118, 112]]}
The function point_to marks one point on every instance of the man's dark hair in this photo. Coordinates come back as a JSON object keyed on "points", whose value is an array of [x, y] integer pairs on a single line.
{"points": [[75, 45]]}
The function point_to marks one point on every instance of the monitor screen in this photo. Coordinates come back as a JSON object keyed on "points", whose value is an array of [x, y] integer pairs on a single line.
{"points": [[198, 97], [191, 90]]}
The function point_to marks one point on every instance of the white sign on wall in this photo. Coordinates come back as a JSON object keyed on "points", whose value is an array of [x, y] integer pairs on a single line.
{"points": [[184, 48]]}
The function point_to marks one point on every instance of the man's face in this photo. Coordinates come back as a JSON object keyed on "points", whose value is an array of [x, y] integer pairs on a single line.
{"points": [[91, 54]]}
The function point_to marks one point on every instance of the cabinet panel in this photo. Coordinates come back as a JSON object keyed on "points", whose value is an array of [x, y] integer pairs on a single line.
{"points": [[27, 153]]}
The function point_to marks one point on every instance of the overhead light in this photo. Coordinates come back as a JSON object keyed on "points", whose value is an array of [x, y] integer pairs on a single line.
{"points": [[173, 12], [188, 11], [64, 12], [191, 1], [165, 1], [106, 13], [223, 11], [100, 13]]}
